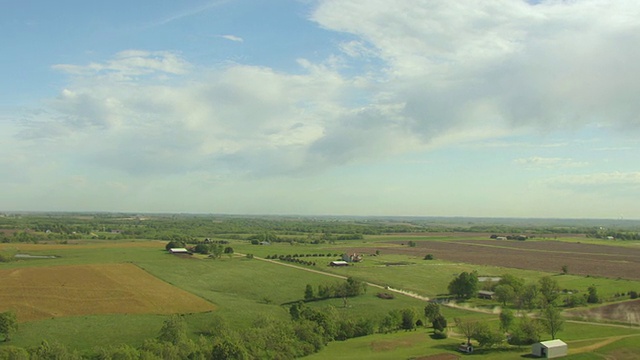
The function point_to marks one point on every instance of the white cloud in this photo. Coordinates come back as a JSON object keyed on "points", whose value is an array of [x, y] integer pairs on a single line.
{"points": [[547, 66], [245, 119], [232, 38], [130, 63], [546, 162], [624, 185], [187, 13], [440, 73]]}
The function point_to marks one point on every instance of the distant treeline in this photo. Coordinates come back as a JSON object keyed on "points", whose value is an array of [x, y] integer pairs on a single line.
{"points": [[191, 228]]}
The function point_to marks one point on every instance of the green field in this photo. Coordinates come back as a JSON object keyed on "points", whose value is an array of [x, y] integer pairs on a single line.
{"points": [[249, 291]]}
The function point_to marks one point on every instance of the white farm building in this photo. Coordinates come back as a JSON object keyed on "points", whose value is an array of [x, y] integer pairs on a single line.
{"points": [[549, 349]]}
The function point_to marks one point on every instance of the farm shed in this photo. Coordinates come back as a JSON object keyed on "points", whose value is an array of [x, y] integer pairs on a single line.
{"points": [[549, 349], [484, 294], [339, 263], [179, 251]]}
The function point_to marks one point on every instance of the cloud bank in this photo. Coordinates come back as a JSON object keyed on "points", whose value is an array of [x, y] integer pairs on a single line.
{"points": [[413, 75]]}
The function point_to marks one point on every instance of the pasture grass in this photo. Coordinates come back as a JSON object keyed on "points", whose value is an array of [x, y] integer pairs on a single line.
{"points": [[247, 289], [406, 345], [399, 345]]}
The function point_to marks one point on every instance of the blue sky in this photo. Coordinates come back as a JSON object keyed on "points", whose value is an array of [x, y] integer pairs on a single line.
{"points": [[505, 108]]}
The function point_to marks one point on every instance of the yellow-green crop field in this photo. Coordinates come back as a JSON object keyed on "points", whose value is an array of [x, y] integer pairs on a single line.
{"points": [[57, 291]]}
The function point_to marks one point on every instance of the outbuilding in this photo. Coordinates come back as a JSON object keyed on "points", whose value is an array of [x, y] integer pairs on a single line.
{"points": [[339, 263], [485, 294], [550, 349], [179, 251]]}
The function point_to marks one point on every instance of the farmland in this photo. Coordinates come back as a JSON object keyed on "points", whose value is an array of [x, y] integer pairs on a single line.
{"points": [[548, 256], [59, 291], [105, 288]]}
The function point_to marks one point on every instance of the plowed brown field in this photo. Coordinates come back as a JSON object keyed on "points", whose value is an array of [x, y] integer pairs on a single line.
{"points": [[550, 256], [37, 293]]}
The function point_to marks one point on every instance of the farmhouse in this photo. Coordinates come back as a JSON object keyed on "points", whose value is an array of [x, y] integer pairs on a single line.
{"points": [[339, 263], [549, 349], [351, 257], [484, 294]]}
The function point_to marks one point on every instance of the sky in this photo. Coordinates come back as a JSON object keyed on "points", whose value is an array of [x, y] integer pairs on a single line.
{"points": [[503, 108]]}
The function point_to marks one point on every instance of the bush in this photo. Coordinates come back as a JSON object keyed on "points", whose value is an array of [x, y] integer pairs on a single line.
{"points": [[593, 297], [429, 257], [201, 249], [439, 335], [385, 296], [5, 257], [575, 300], [633, 294]]}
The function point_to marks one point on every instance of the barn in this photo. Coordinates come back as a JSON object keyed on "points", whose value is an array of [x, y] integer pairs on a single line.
{"points": [[549, 349], [179, 251]]}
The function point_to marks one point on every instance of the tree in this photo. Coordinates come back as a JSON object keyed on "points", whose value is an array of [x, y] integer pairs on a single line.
{"points": [[174, 244], [549, 289], [201, 249], [506, 320], [486, 336], [505, 293], [575, 300], [565, 269], [228, 250], [13, 353], [439, 323], [408, 319], [552, 320], [324, 291], [515, 282], [526, 332], [355, 287], [431, 311], [8, 324], [174, 330], [466, 327], [53, 350], [593, 298], [429, 257], [308, 292], [465, 285], [216, 251], [228, 349], [529, 296]]}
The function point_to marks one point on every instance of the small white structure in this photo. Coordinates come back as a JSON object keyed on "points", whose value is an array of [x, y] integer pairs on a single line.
{"points": [[339, 263], [465, 348], [549, 349], [179, 251]]}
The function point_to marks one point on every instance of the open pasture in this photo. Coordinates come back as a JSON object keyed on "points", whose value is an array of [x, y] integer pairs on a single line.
{"points": [[56, 291], [547, 256]]}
